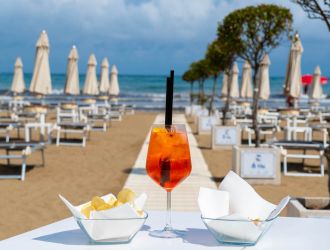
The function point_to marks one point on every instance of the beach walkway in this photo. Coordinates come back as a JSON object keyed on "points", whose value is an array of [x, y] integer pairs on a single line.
{"points": [[184, 196]]}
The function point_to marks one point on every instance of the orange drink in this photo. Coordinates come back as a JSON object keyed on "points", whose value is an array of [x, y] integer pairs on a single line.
{"points": [[168, 160]]}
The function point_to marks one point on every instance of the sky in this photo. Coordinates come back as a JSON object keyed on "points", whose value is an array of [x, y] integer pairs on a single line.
{"points": [[139, 36]]}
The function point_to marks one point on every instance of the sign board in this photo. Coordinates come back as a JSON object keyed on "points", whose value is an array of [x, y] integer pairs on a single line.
{"points": [[188, 110], [195, 108], [205, 124], [257, 164], [226, 136]]}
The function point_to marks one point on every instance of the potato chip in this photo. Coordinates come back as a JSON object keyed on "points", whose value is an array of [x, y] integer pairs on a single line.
{"points": [[118, 203], [112, 200], [86, 209], [105, 206], [126, 195], [97, 202]]}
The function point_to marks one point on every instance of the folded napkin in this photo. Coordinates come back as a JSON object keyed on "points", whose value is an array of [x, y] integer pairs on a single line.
{"points": [[241, 209]]}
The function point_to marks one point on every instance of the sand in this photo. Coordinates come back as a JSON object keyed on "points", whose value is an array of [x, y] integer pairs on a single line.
{"points": [[76, 173], [102, 167]]}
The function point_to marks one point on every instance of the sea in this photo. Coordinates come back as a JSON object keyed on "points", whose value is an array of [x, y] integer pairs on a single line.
{"points": [[148, 91]]}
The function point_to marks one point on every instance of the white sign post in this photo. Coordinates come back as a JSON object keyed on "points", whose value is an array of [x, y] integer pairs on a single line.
{"points": [[258, 165], [225, 137], [205, 124]]}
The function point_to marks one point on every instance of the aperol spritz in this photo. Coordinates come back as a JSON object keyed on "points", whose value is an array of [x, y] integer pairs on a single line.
{"points": [[168, 163]]}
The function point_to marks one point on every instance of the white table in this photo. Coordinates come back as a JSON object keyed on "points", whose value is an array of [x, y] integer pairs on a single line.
{"points": [[286, 233]]}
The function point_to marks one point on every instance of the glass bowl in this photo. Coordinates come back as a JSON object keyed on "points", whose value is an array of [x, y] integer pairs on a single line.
{"points": [[237, 231], [111, 231]]}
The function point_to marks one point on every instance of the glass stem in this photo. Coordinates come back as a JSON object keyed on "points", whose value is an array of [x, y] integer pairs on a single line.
{"points": [[168, 226]]}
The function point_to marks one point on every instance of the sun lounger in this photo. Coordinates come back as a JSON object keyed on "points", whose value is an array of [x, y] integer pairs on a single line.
{"points": [[72, 128], [97, 115], [323, 128], [300, 145], [265, 129], [45, 128], [21, 151], [7, 127]]}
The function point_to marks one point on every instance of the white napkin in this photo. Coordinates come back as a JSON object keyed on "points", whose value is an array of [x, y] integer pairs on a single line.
{"points": [[235, 202], [218, 207], [100, 229], [244, 200]]}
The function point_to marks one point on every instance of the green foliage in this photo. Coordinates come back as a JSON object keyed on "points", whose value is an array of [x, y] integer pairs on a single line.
{"points": [[254, 31], [200, 69], [189, 76], [218, 58]]}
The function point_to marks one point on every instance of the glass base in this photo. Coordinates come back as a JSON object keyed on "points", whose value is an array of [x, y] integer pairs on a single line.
{"points": [[167, 232]]}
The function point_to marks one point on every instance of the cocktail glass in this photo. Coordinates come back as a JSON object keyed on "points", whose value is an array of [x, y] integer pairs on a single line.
{"points": [[168, 164]]}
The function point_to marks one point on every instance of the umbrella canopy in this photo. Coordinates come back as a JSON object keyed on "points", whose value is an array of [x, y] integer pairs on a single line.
{"points": [[104, 81], [41, 82], [72, 73], [263, 78], [308, 79], [91, 86], [293, 70], [114, 85], [234, 93], [315, 92], [246, 88], [18, 84], [224, 87]]}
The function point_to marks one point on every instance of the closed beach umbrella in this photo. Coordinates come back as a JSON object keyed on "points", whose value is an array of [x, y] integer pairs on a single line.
{"points": [[293, 71], [234, 93], [41, 82], [18, 84], [315, 92], [91, 86], [263, 77], [72, 73], [246, 87], [104, 81], [114, 85], [224, 87]]}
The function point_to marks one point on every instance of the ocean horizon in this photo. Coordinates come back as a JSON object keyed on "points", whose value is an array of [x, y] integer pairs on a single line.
{"points": [[147, 84], [148, 91]]}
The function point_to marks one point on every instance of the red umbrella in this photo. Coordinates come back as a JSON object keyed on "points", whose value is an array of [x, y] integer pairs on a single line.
{"points": [[308, 79], [324, 80]]}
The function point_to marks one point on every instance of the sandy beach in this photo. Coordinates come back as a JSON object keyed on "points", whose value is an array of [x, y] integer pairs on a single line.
{"points": [[76, 173], [103, 167]]}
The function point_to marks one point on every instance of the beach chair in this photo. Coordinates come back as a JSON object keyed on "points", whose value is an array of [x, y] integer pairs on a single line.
{"points": [[304, 146], [265, 130], [20, 151], [67, 115], [97, 115], [70, 128], [7, 127]]}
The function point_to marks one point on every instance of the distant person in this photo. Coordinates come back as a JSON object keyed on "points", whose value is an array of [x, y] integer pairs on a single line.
{"points": [[290, 101]]}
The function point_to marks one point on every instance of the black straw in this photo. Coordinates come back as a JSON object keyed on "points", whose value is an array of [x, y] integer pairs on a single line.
{"points": [[169, 99]]}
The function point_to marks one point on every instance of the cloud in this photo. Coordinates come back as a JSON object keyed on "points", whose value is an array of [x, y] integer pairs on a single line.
{"points": [[147, 37]]}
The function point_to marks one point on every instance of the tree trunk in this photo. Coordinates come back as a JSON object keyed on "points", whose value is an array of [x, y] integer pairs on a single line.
{"points": [[200, 92], [226, 109], [191, 92], [213, 94], [256, 106]]}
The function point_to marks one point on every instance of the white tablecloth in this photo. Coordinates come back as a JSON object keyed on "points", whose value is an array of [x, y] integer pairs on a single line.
{"points": [[286, 233]]}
